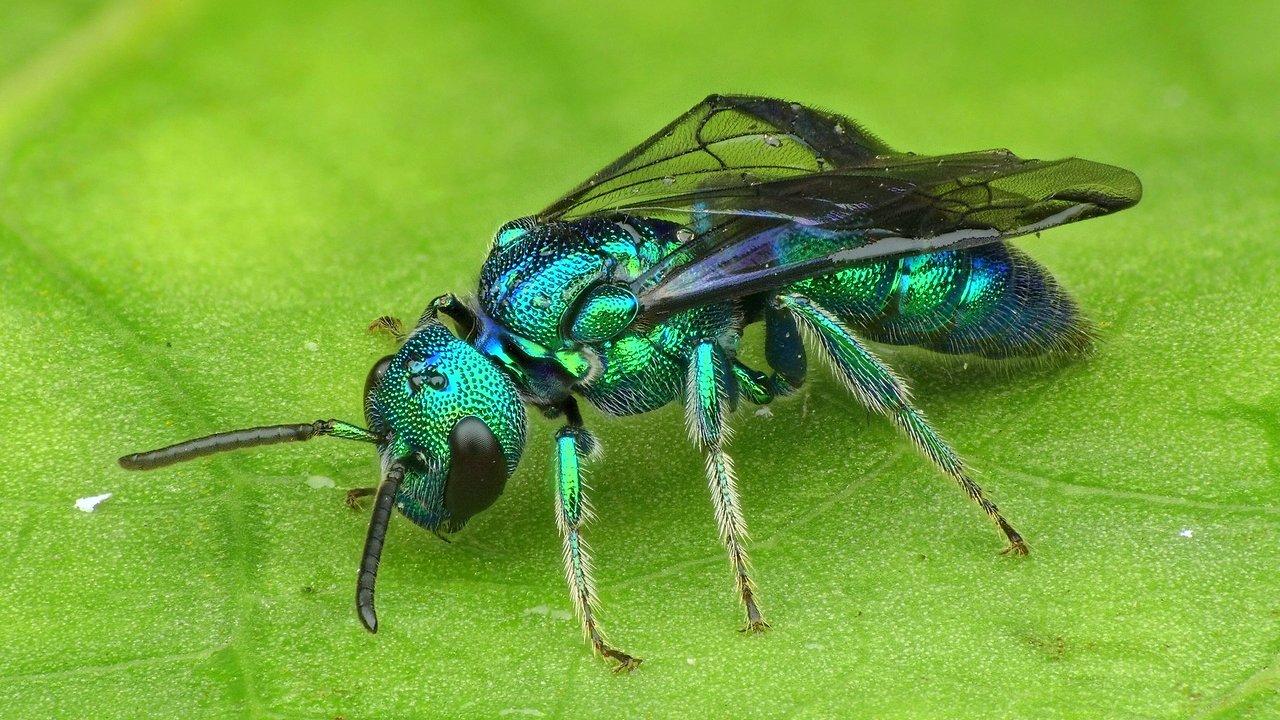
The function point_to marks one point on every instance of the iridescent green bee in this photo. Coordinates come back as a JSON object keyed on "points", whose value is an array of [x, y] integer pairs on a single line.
{"points": [[633, 291]]}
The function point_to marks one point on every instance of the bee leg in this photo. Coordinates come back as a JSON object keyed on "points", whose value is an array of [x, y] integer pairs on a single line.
{"points": [[882, 391], [451, 307], [753, 384], [706, 408], [784, 351], [354, 495], [387, 324], [574, 444], [757, 387]]}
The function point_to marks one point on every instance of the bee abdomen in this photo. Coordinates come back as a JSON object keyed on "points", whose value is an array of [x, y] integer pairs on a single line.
{"points": [[991, 300]]}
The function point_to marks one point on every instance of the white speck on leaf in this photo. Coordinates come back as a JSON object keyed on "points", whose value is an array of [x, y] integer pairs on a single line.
{"points": [[554, 614], [87, 504], [312, 346], [772, 141], [691, 661], [764, 412], [813, 646], [319, 482], [1186, 533]]}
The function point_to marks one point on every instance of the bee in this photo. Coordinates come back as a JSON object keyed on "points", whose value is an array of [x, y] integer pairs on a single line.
{"points": [[633, 290]]}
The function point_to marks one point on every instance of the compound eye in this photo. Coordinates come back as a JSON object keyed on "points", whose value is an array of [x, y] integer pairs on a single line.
{"points": [[477, 471], [376, 373]]}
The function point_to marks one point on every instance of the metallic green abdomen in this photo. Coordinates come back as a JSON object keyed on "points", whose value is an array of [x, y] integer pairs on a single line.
{"points": [[991, 300]]}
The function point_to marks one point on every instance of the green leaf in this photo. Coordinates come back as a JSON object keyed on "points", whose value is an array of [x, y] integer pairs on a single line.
{"points": [[203, 206]]}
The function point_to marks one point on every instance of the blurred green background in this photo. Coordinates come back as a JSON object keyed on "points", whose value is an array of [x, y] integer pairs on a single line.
{"points": [[203, 204]]}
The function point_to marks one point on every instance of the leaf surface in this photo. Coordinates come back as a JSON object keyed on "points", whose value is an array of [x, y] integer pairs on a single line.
{"points": [[203, 206]]}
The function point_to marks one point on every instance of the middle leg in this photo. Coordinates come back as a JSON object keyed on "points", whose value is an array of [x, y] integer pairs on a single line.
{"points": [[706, 408]]}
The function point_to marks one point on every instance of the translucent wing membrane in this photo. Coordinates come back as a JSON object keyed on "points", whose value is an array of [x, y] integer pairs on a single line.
{"points": [[769, 235], [723, 142], [776, 192]]}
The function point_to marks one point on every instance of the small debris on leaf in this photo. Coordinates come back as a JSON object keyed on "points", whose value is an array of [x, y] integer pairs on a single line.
{"points": [[88, 504]]}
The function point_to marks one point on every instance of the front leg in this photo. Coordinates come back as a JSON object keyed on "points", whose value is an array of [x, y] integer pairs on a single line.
{"points": [[706, 408], [389, 325], [573, 444], [354, 495], [451, 307]]}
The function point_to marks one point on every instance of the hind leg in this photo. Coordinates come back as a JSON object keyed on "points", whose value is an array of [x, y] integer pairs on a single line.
{"points": [[879, 389]]}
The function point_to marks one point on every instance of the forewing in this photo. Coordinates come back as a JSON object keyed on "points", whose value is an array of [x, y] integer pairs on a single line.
{"points": [[776, 192], [724, 142], [766, 235]]}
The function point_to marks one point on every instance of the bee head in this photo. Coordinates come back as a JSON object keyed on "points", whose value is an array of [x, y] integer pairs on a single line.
{"points": [[452, 419]]}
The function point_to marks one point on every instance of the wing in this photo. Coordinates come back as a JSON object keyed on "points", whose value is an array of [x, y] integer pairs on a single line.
{"points": [[911, 205], [776, 192], [725, 141]]}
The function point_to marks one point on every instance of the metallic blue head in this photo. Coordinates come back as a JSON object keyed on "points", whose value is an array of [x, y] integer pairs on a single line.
{"points": [[452, 419]]}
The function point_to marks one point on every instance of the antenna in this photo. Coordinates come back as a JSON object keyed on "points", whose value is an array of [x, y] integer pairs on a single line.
{"points": [[382, 506], [249, 437]]}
